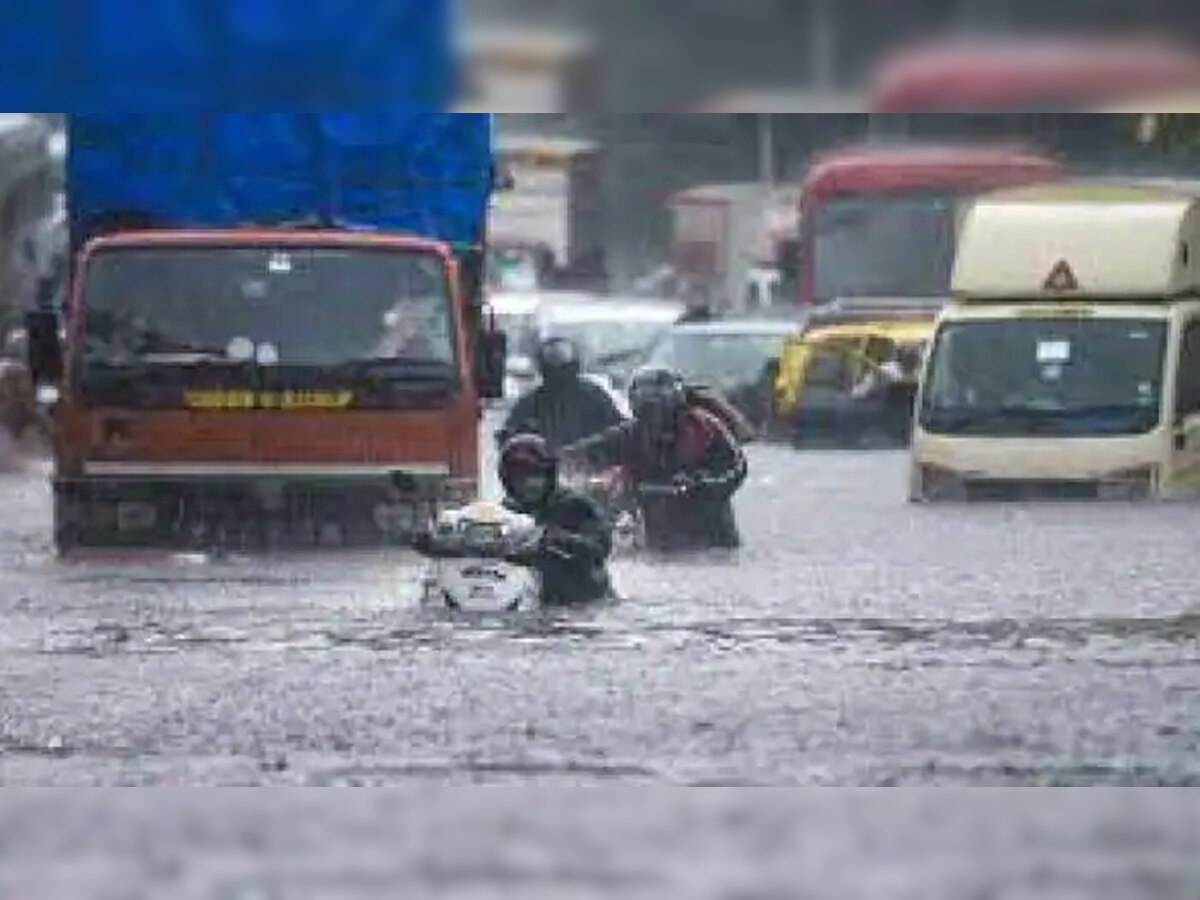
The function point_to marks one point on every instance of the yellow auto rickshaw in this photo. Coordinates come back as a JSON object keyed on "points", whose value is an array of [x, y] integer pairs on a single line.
{"points": [[849, 379]]}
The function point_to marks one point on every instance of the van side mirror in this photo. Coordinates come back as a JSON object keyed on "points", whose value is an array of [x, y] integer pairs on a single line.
{"points": [[44, 352], [492, 364]]}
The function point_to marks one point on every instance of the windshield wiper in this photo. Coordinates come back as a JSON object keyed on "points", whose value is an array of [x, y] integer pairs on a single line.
{"points": [[393, 370], [961, 420], [1108, 409], [1033, 416], [192, 358]]}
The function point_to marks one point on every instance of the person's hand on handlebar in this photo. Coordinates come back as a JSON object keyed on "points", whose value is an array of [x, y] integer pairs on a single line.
{"points": [[685, 484]]}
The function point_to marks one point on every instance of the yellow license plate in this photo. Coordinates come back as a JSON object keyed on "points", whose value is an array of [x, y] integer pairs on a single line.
{"points": [[283, 400]]}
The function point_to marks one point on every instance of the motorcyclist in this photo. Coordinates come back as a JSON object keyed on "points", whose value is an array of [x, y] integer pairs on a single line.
{"points": [[565, 407], [577, 537], [892, 384], [683, 462]]}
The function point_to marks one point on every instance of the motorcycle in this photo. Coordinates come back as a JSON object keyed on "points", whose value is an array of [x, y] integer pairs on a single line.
{"points": [[621, 499], [468, 567], [612, 490]]}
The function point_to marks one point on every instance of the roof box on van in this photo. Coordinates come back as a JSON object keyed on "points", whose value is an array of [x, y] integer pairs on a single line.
{"points": [[1102, 241]]}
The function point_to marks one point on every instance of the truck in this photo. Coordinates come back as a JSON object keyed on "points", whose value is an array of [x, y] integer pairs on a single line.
{"points": [[269, 350], [546, 229], [731, 242], [274, 332]]}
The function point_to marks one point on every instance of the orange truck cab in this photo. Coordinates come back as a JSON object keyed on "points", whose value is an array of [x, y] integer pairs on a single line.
{"points": [[880, 221], [250, 386]]}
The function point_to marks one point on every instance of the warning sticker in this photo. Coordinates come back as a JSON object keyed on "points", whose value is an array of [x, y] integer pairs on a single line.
{"points": [[1062, 278]]}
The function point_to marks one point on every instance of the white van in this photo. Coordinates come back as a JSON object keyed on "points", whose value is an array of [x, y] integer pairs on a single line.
{"points": [[1068, 364]]}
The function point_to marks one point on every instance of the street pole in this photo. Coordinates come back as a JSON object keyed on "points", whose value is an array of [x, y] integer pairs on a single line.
{"points": [[767, 174]]}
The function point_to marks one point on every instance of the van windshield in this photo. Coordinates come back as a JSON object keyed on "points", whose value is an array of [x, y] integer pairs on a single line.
{"points": [[1045, 376]]}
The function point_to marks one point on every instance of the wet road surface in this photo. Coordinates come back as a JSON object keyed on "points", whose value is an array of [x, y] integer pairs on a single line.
{"points": [[856, 640]]}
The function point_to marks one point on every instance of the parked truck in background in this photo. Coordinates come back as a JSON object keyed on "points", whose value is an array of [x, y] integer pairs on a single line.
{"points": [[546, 228], [286, 346], [732, 243]]}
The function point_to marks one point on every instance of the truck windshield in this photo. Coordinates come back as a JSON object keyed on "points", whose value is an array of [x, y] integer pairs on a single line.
{"points": [[893, 246], [1053, 377], [285, 306]]}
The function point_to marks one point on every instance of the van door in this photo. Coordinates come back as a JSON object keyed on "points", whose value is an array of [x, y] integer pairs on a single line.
{"points": [[1185, 422]]}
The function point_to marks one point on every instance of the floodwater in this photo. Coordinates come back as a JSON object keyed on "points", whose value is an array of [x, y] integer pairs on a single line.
{"points": [[856, 640]]}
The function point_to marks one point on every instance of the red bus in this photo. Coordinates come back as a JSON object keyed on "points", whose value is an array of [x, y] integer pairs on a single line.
{"points": [[1030, 75], [881, 222]]}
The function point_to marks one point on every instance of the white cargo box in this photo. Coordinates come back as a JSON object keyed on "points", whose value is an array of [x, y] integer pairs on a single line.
{"points": [[1080, 240]]}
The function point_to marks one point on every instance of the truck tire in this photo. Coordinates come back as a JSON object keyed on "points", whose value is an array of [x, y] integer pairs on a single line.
{"points": [[67, 535]]}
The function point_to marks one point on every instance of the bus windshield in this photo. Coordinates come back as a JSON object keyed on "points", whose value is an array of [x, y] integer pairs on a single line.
{"points": [[891, 246], [1046, 377]]}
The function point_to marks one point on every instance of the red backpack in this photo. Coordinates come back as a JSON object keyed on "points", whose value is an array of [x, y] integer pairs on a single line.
{"points": [[715, 403]]}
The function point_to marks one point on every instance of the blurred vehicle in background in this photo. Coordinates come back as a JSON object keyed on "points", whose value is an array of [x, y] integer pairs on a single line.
{"points": [[737, 357], [1153, 107], [614, 334], [515, 267], [515, 314], [546, 226], [881, 221], [18, 405], [818, 394], [32, 232], [732, 243], [27, 191], [1024, 76]]}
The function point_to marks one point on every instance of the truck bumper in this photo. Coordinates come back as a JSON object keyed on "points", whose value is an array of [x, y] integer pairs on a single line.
{"points": [[253, 512]]}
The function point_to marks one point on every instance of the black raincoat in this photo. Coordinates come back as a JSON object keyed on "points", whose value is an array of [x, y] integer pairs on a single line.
{"points": [[563, 412], [572, 555]]}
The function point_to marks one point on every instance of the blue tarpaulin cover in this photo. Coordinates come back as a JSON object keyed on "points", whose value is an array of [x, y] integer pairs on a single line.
{"points": [[171, 117], [423, 173], [248, 55]]}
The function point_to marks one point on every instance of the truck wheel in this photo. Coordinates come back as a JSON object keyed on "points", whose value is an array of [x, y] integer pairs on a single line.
{"points": [[66, 538], [67, 533]]}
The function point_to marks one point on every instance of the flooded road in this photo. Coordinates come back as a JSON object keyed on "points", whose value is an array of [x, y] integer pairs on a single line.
{"points": [[856, 640]]}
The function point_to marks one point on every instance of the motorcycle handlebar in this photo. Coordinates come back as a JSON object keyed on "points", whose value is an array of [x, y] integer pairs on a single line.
{"points": [[660, 490]]}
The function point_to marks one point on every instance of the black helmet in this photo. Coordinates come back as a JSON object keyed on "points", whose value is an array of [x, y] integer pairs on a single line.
{"points": [[528, 470], [558, 360], [656, 396]]}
